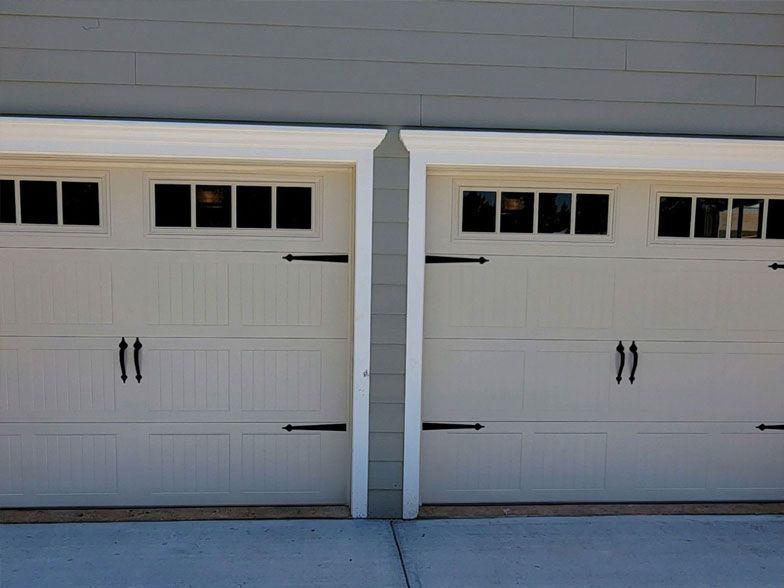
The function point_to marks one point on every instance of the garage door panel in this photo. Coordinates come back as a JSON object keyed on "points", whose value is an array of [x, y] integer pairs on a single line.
{"points": [[86, 464], [758, 461], [226, 294], [753, 301], [474, 378], [495, 380], [571, 295], [567, 461], [293, 467], [602, 462], [481, 299], [254, 380], [553, 388], [708, 381], [671, 461], [62, 379], [61, 293], [464, 467], [67, 464]]}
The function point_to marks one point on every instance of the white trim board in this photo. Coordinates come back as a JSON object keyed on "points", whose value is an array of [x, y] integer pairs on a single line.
{"points": [[21, 136], [537, 151]]}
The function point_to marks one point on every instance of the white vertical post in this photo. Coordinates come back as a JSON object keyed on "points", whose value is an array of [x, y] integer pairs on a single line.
{"points": [[363, 262], [415, 305]]}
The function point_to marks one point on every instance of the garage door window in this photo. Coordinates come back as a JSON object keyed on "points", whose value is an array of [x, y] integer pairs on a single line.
{"points": [[44, 204], [719, 219], [529, 213], [222, 207]]}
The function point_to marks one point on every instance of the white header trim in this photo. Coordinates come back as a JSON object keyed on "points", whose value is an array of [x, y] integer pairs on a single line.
{"points": [[632, 153], [540, 150], [151, 139], [130, 138]]}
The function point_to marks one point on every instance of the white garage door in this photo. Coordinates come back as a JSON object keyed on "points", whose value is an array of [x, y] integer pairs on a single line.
{"points": [[158, 349], [524, 395]]}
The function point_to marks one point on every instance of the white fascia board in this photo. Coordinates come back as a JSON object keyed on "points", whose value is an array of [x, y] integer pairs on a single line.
{"points": [[132, 138], [586, 151], [152, 139]]}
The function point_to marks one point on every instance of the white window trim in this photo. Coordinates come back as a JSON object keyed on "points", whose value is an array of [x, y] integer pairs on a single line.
{"points": [[20, 136], [537, 151], [101, 229]]}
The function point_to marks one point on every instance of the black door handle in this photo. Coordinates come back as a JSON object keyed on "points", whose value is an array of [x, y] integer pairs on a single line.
{"points": [[136, 348], [620, 350], [123, 347], [635, 358]]}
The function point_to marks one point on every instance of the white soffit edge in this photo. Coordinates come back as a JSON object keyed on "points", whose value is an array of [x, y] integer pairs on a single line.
{"points": [[589, 151], [134, 138]]}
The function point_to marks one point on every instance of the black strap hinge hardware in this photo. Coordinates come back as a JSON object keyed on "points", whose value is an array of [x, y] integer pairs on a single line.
{"points": [[775, 266], [764, 427], [449, 426], [322, 258], [448, 259], [335, 427]]}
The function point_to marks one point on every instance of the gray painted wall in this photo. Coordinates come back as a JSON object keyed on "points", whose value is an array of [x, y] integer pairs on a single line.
{"points": [[651, 66]]}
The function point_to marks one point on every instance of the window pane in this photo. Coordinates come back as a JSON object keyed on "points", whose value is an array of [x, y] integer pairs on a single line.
{"points": [[172, 205], [293, 207], [478, 212], [711, 218], [555, 212], [591, 216], [38, 200], [213, 206], [517, 212], [747, 218], [674, 216], [7, 202], [80, 203], [775, 219], [254, 207]]}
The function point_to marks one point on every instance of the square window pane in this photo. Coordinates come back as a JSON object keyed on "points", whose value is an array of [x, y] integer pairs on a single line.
{"points": [[254, 207], [674, 216], [172, 205], [38, 201], [517, 212], [711, 218], [213, 206], [775, 219], [478, 212], [293, 208], [555, 212], [80, 204], [747, 218], [592, 214], [7, 202]]}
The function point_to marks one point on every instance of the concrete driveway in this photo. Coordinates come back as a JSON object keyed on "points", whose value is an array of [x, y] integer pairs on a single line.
{"points": [[542, 551]]}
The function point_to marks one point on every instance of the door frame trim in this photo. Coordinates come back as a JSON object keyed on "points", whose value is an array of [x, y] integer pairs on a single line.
{"points": [[120, 138], [444, 148]]}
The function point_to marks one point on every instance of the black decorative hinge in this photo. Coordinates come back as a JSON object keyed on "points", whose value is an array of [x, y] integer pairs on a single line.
{"points": [[335, 427], [322, 258], [775, 266], [447, 259], [763, 427], [441, 426]]}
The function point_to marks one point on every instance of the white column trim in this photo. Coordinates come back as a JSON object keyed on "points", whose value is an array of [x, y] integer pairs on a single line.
{"points": [[21, 136], [540, 151]]}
